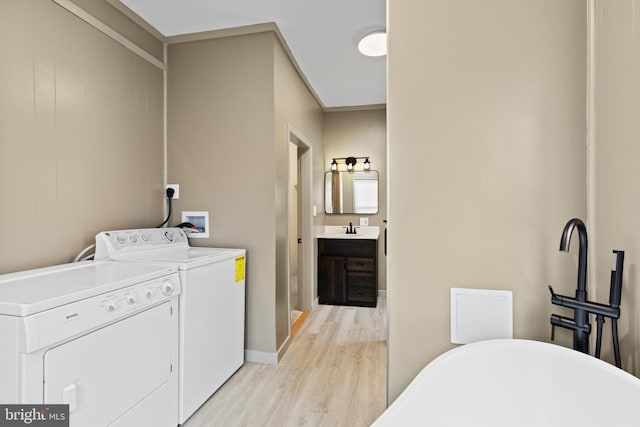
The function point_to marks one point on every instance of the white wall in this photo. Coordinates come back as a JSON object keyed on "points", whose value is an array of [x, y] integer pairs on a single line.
{"points": [[487, 161]]}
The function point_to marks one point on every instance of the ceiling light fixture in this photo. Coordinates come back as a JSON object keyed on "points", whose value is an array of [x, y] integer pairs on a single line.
{"points": [[374, 44]]}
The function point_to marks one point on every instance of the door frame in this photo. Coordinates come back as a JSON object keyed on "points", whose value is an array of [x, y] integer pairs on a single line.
{"points": [[305, 220]]}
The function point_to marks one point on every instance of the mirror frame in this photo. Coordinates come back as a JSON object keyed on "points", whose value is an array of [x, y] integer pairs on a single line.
{"points": [[329, 174]]}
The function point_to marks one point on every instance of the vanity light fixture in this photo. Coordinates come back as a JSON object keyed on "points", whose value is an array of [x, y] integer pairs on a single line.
{"points": [[351, 162], [374, 44]]}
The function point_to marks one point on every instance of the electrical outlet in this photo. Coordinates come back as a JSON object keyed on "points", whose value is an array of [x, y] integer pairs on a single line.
{"points": [[176, 191], [364, 222]]}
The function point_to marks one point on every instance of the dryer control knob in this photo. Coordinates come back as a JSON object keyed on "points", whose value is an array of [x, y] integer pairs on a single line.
{"points": [[111, 307], [121, 240], [131, 300], [167, 287], [149, 294]]}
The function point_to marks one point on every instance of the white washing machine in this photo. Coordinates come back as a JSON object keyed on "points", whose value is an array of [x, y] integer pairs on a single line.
{"points": [[212, 304], [99, 336]]}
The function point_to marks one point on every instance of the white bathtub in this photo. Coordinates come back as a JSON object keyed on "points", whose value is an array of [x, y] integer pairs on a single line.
{"points": [[517, 383]]}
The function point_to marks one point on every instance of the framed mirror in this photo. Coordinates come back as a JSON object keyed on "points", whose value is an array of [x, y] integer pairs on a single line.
{"points": [[351, 192]]}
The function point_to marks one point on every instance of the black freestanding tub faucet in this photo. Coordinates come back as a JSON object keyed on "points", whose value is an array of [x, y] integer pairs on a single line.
{"points": [[581, 333], [582, 307]]}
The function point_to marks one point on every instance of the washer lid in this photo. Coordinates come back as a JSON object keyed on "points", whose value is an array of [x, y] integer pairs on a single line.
{"points": [[183, 258], [28, 292]]}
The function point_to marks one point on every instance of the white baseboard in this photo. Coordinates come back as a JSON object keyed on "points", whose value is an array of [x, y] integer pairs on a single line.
{"points": [[261, 357], [267, 358]]}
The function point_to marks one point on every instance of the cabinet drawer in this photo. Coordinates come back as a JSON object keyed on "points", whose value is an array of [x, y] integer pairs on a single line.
{"points": [[346, 247], [360, 264], [361, 295], [361, 280]]}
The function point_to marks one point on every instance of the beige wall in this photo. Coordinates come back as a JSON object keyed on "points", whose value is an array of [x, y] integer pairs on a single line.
{"points": [[80, 135], [220, 132], [230, 101], [360, 133], [617, 166], [295, 107], [487, 161]]}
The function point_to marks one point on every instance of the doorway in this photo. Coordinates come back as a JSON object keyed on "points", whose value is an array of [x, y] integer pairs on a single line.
{"points": [[300, 230], [294, 239]]}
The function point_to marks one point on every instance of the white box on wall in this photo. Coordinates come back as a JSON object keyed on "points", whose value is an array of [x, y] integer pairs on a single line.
{"points": [[200, 220], [480, 314]]}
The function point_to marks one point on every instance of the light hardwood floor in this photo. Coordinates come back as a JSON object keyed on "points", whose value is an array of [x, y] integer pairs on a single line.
{"points": [[334, 374]]}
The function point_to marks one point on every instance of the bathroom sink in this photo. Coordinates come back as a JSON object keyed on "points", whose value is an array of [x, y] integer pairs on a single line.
{"points": [[339, 232]]}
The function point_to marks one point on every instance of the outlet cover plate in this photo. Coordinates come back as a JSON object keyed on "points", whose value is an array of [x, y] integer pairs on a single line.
{"points": [[176, 191]]}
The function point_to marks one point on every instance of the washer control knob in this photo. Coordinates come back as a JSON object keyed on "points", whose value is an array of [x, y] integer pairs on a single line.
{"points": [[167, 287], [149, 294], [133, 238], [170, 235], [131, 300], [144, 237], [121, 240], [111, 307]]}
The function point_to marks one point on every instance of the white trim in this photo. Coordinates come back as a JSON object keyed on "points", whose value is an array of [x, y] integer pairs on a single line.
{"points": [[267, 358], [591, 138], [165, 137], [305, 254], [126, 11], [382, 293], [113, 34], [263, 357]]}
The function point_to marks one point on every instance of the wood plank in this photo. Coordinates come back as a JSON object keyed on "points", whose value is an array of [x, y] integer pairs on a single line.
{"points": [[334, 374]]}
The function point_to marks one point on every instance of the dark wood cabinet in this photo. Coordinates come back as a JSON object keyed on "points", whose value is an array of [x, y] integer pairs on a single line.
{"points": [[347, 272]]}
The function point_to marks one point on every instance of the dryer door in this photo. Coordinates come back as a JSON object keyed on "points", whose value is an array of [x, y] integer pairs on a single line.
{"points": [[104, 374]]}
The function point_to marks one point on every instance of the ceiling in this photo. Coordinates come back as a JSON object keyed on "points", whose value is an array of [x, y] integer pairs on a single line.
{"points": [[322, 35]]}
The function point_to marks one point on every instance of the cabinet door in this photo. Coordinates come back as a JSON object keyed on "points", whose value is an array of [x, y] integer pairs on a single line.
{"points": [[332, 280]]}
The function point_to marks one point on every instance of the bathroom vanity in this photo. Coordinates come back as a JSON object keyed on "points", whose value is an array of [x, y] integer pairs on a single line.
{"points": [[347, 270]]}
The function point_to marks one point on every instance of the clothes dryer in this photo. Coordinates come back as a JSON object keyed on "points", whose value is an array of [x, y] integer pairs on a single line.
{"points": [[101, 337]]}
